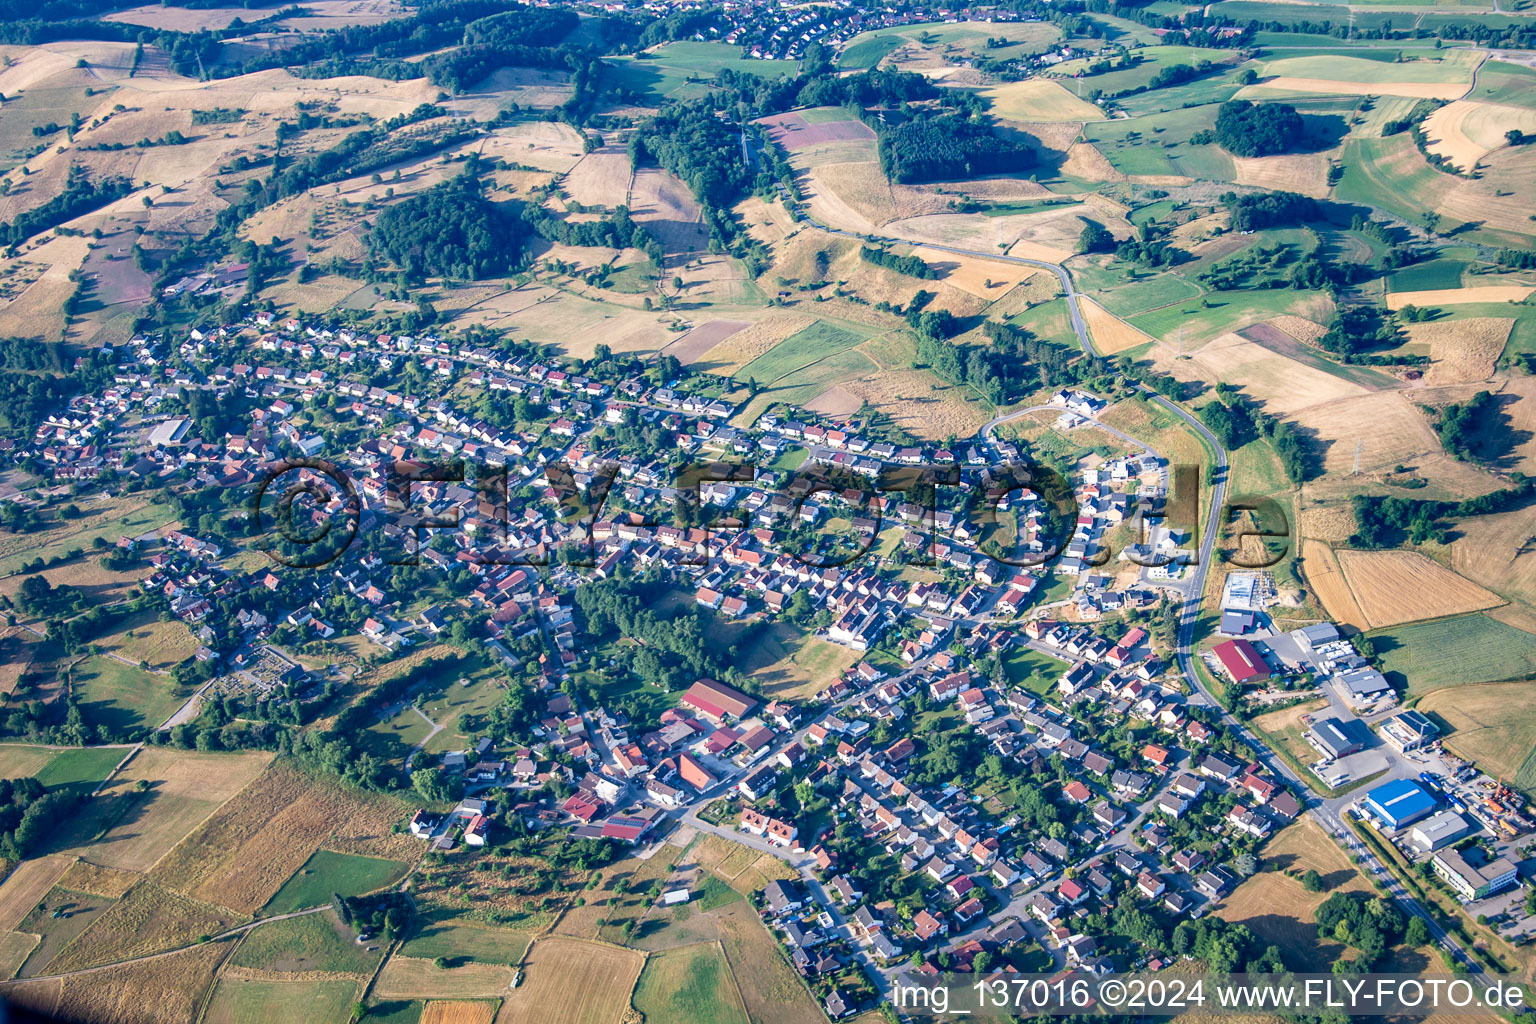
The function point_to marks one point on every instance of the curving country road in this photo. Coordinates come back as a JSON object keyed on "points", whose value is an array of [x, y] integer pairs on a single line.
{"points": [[1327, 813]]}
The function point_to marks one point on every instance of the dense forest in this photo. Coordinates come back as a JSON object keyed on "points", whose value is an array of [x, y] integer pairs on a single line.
{"points": [[1258, 129], [1256, 210], [1462, 426], [939, 147], [450, 230]]}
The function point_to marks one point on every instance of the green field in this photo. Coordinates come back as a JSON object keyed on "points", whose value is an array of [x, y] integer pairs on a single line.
{"points": [[121, 697], [1474, 648], [1033, 671], [102, 520], [1159, 144], [451, 937], [1428, 276], [81, 770], [1161, 289], [692, 985], [326, 873], [868, 49], [1049, 320], [237, 1001], [1222, 311], [1350, 68], [1152, 59], [395, 1011], [1287, 13], [314, 942], [1390, 175], [684, 70], [1501, 82], [819, 342]]}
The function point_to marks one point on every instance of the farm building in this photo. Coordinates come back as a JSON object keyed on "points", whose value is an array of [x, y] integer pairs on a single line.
{"points": [[1399, 803], [1242, 662]]}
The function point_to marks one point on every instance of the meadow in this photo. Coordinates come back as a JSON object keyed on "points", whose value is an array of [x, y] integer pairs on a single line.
{"points": [[327, 872], [447, 935], [1474, 648], [683, 70], [313, 942], [251, 1001], [123, 698], [799, 351], [691, 985]]}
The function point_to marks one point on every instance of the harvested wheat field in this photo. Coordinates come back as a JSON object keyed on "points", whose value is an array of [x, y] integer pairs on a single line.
{"points": [[1049, 235], [1461, 351], [243, 854], [1280, 910], [1284, 84], [836, 402], [1111, 335], [166, 990], [862, 190], [1499, 552], [407, 977], [1306, 173], [1393, 587], [1521, 421], [983, 278], [689, 347], [746, 345], [1460, 296], [1279, 384], [1466, 131], [600, 179], [185, 787], [1299, 327], [83, 876], [1333, 523], [1386, 426], [28, 884], [664, 206], [1039, 99], [1321, 568], [574, 982], [918, 402], [458, 1011]]}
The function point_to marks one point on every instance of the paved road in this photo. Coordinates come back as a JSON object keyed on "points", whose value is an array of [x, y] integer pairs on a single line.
{"points": [[1327, 813]]}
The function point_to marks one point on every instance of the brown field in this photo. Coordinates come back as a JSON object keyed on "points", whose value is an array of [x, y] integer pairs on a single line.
{"points": [[131, 831], [1049, 235], [1299, 327], [770, 988], [15, 947], [1332, 523], [1521, 421], [1466, 131], [168, 990], [1040, 99], [405, 977], [664, 205], [28, 884], [83, 876], [1279, 384], [746, 345], [919, 402], [575, 981], [1321, 569], [768, 223], [1393, 587], [1459, 296], [1306, 173], [145, 638], [1276, 906], [600, 179], [1485, 729], [1497, 552], [689, 347], [1502, 198], [794, 133], [244, 853], [1411, 90], [1461, 351], [18, 759], [147, 920], [1111, 335], [1386, 425], [982, 278], [836, 402], [855, 193], [458, 1011], [39, 996]]}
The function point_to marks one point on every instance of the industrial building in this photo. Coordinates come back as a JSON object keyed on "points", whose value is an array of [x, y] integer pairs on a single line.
{"points": [[1474, 881], [1399, 804], [1438, 830], [1336, 737]]}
